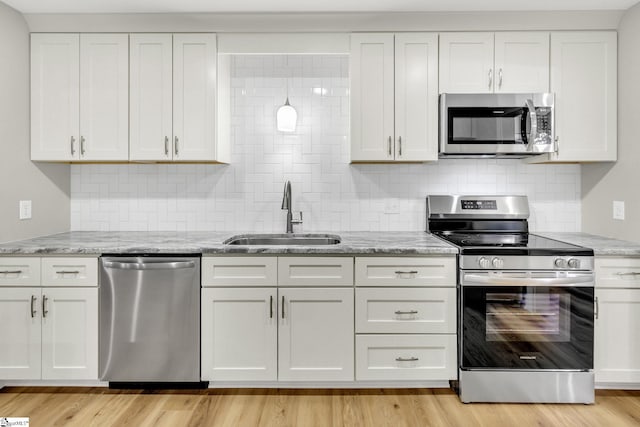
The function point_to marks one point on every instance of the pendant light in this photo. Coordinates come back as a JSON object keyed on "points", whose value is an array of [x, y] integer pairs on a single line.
{"points": [[286, 116]]}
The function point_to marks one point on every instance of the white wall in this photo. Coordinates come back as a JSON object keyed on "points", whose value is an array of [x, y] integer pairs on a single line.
{"points": [[604, 183], [46, 185], [333, 195]]}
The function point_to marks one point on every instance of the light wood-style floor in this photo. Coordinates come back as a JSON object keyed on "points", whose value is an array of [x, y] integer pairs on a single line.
{"points": [[66, 406]]}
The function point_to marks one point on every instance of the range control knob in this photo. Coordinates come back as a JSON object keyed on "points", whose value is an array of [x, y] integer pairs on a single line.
{"points": [[497, 262], [560, 263], [573, 263], [484, 262]]}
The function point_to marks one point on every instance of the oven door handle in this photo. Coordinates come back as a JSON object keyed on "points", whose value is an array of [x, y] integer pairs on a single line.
{"points": [[478, 280]]}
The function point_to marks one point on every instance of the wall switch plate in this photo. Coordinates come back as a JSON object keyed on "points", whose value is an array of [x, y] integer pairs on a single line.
{"points": [[618, 210], [25, 209]]}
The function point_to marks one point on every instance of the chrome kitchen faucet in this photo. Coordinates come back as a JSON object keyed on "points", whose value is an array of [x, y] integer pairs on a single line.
{"points": [[286, 204]]}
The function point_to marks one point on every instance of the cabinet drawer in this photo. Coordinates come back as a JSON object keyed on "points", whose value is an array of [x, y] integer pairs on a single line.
{"points": [[617, 272], [239, 271], [315, 271], [69, 271], [406, 357], [401, 310], [19, 271], [431, 271]]}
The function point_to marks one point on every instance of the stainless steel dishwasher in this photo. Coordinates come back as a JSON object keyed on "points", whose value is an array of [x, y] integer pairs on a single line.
{"points": [[150, 319]]}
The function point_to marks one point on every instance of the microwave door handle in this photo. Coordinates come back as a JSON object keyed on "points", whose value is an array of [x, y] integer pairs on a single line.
{"points": [[505, 280], [533, 134]]}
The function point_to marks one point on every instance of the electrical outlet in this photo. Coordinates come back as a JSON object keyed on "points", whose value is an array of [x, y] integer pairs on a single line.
{"points": [[25, 209], [618, 210]]}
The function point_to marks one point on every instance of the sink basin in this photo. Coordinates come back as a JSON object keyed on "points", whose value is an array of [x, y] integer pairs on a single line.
{"points": [[283, 239]]}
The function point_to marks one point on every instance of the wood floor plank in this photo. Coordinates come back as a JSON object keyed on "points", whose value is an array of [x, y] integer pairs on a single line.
{"points": [[101, 407]]}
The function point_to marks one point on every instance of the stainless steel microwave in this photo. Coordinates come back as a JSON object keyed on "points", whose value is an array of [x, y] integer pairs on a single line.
{"points": [[497, 125]]}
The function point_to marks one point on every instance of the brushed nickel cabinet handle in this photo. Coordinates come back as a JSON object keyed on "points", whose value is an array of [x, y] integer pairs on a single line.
{"points": [[390, 141], [631, 273], [408, 359], [490, 77], [399, 146], [11, 272], [283, 306], [399, 272], [82, 145], [73, 148], [68, 272], [44, 306], [175, 145], [500, 78], [271, 307], [596, 309], [406, 312], [166, 145], [33, 303]]}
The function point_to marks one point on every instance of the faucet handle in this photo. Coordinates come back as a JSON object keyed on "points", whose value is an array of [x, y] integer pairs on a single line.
{"points": [[296, 217]]}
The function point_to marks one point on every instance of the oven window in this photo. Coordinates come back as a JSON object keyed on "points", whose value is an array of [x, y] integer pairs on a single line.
{"points": [[531, 316]]}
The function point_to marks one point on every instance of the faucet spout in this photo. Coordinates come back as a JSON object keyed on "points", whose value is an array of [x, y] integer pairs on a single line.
{"points": [[286, 204]]}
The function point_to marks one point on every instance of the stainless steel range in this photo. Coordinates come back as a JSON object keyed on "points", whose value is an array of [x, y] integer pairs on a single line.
{"points": [[525, 304]]}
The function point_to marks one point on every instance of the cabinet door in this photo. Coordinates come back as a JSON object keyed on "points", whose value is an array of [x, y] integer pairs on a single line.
{"points": [[416, 97], [70, 334], [521, 62], [194, 97], [372, 97], [466, 63], [55, 82], [239, 334], [104, 97], [20, 333], [315, 335], [617, 348], [583, 77], [150, 97]]}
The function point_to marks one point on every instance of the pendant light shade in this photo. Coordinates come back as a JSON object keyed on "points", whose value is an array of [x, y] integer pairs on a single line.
{"points": [[286, 118]]}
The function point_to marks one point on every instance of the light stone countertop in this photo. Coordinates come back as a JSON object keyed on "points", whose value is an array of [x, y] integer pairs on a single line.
{"points": [[211, 242]]}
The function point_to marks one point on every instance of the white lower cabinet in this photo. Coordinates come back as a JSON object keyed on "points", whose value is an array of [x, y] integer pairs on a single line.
{"points": [[49, 333], [617, 348], [239, 334], [315, 334], [406, 357]]}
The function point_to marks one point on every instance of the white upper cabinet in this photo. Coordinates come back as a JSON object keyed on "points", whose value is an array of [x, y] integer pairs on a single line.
{"points": [[508, 62], [194, 96], [173, 90], [55, 97], [151, 132], [584, 80], [394, 92], [521, 62], [79, 97]]}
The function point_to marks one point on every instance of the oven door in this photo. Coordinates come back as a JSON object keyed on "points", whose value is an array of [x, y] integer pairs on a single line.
{"points": [[526, 320]]}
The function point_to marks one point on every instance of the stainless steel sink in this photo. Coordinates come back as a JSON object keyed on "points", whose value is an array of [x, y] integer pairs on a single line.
{"points": [[283, 239]]}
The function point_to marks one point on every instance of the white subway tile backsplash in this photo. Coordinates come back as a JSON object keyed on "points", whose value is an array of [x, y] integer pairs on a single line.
{"points": [[333, 195]]}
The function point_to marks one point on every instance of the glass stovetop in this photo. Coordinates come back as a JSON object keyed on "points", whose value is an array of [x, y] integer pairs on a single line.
{"points": [[507, 242]]}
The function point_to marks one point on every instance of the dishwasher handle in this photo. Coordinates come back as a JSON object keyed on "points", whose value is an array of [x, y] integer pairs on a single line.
{"points": [[169, 265]]}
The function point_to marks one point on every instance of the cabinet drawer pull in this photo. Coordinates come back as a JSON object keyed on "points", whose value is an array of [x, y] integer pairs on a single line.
{"points": [[399, 146], [68, 272], [166, 145], [283, 306], [271, 307], [409, 359], [406, 272], [82, 145], [390, 139], [500, 78], [33, 308], [73, 148], [596, 308], [399, 313], [631, 273], [175, 145], [490, 77], [44, 306], [11, 272]]}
